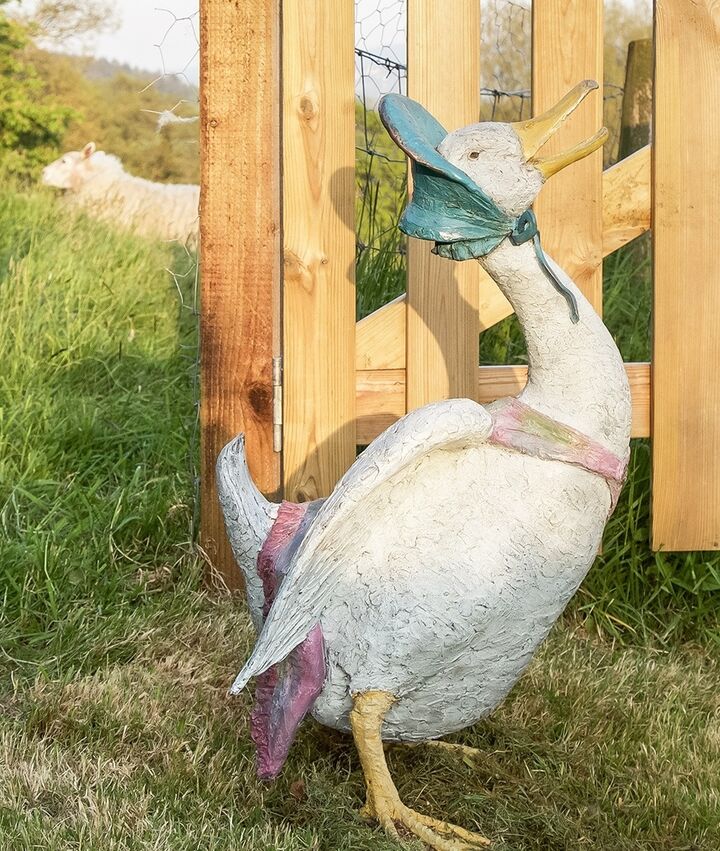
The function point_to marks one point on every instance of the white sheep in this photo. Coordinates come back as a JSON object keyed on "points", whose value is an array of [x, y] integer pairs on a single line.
{"points": [[97, 182]]}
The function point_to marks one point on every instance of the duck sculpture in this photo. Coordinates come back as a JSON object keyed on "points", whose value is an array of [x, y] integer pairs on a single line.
{"points": [[407, 604]]}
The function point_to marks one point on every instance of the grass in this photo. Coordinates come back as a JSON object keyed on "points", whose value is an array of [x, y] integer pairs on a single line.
{"points": [[96, 496], [116, 732], [598, 747]]}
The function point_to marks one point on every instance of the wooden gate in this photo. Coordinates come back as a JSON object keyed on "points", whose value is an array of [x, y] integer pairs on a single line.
{"points": [[278, 238]]}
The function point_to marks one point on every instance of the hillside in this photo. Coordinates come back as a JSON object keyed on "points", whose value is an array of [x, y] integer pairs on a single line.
{"points": [[99, 68], [114, 107]]}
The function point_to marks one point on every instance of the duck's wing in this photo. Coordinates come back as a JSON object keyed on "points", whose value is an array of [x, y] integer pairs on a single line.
{"points": [[327, 550]]}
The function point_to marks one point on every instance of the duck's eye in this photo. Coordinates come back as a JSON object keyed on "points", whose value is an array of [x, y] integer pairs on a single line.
{"points": [[473, 155]]}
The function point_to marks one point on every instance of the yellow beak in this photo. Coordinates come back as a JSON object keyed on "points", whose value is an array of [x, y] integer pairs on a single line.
{"points": [[534, 133]]}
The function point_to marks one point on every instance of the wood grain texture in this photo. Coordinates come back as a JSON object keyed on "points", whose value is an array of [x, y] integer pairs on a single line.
{"points": [[380, 401], [240, 257], [319, 244], [381, 394], [686, 174], [442, 296], [380, 337], [626, 200], [568, 48], [493, 307]]}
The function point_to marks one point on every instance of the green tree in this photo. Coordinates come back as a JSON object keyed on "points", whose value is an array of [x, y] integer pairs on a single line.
{"points": [[31, 124]]}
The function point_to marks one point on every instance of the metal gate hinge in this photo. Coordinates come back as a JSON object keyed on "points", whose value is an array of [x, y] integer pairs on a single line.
{"points": [[277, 417]]}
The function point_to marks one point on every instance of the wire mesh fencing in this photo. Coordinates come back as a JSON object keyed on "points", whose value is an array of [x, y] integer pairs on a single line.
{"points": [[381, 68], [177, 40]]}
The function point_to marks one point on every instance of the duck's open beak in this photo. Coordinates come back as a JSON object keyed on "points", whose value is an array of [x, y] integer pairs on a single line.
{"points": [[534, 133]]}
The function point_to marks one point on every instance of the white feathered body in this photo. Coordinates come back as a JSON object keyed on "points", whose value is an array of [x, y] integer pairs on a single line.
{"points": [[454, 583], [441, 560]]}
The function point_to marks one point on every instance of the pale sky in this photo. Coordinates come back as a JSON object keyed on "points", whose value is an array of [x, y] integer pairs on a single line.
{"points": [[149, 36], [144, 24]]}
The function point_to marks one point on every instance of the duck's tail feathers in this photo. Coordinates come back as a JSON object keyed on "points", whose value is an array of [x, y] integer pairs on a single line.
{"points": [[248, 518], [264, 657]]}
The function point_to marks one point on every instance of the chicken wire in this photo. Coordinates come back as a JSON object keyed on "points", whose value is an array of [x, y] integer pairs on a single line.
{"points": [[178, 45]]}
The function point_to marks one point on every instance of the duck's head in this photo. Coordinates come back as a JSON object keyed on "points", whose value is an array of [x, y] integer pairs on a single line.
{"points": [[505, 160], [474, 186]]}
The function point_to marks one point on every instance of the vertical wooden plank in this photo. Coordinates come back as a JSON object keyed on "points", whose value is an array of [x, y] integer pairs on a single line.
{"points": [[568, 48], [443, 296], [686, 165], [319, 235], [240, 226]]}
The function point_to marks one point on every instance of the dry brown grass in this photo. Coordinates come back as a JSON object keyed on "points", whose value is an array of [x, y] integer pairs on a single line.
{"points": [[598, 747]]}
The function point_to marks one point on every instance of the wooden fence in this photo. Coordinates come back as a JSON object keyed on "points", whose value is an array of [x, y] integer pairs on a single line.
{"points": [[278, 240]]}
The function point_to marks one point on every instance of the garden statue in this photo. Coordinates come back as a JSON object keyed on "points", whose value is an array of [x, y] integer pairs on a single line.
{"points": [[407, 604]]}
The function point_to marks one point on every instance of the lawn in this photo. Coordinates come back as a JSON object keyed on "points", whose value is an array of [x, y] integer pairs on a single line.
{"points": [[117, 732]]}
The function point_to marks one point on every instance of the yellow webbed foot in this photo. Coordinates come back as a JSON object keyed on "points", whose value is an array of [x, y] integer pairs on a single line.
{"points": [[468, 754], [383, 801]]}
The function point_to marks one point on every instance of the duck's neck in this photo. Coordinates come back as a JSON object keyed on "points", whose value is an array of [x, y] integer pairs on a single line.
{"points": [[576, 373]]}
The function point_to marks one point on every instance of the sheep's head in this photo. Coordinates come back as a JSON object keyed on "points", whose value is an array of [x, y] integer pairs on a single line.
{"points": [[70, 170]]}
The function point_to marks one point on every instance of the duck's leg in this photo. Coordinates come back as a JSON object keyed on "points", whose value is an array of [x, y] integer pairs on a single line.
{"points": [[383, 801]]}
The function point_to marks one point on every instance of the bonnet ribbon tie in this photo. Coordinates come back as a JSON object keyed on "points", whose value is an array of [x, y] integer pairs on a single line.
{"points": [[525, 229], [446, 205]]}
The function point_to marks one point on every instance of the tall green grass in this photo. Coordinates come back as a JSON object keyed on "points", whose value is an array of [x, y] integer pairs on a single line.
{"points": [[96, 491], [381, 274]]}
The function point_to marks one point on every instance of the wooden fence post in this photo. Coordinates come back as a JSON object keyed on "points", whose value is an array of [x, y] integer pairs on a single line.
{"points": [[319, 236], [637, 98], [443, 327], [686, 193], [240, 248], [567, 48]]}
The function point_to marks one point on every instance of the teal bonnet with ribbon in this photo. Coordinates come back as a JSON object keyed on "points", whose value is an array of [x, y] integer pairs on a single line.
{"points": [[447, 206]]}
